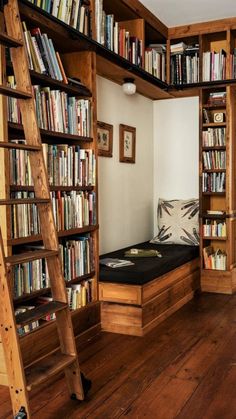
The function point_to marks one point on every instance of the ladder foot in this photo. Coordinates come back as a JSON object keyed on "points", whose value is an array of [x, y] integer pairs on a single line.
{"points": [[86, 383]]}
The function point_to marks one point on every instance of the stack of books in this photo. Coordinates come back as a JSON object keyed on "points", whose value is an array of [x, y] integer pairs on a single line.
{"points": [[77, 257], [79, 295], [155, 60], [56, 111], [23, 330], [184, 63], [213, 182], [214, 259], [66, 165], [214, 228], [29, 277], [75, 13], [214, 159], [217, 98], [213, 137], [42, 56], [214, 65], [116, 38]]}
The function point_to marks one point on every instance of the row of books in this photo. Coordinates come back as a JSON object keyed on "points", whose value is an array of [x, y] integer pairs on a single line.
{"points": [[66, 165], [75, 209], [213, 182], [214, 137], [23, 330], [155, 60], [29, 277], [214, 228], [214, 159], [77, 257], [79, 295], [214, 65], [56, 111], [41, 54], [214, 259], [232, 59], [185, 67], [217, 98], [75, 13], [115, 37]]}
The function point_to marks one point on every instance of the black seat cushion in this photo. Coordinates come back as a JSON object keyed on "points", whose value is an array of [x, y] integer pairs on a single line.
{"points": [[145, 269]]}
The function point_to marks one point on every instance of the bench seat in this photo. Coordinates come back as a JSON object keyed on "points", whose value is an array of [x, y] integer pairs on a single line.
{"points": [[136, 298]]}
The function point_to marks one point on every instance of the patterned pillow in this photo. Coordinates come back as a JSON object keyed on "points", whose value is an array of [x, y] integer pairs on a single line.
{"points": [[178, 222]]}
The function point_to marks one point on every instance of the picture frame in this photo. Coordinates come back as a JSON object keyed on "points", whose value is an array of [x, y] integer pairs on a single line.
{"points": [[104, 139], [127, 144]]}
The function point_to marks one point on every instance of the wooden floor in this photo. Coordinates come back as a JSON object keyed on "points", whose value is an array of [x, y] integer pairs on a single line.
{"points": [[185, 368]]}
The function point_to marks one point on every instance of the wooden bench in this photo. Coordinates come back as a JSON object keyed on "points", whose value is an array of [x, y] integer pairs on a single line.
{"points": [[135, 307]]}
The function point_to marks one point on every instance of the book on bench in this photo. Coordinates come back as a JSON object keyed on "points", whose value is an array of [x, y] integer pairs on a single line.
{"points": [[115, 263]]}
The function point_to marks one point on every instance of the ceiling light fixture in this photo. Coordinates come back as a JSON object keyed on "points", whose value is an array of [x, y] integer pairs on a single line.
{"points": [[129, 87]]}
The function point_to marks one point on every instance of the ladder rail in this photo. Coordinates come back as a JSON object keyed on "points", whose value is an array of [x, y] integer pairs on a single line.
{"points": [[16, 373]]}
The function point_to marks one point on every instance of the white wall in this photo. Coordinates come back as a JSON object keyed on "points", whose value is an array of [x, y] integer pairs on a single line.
{"points": [[125, 190], [176, 138]]}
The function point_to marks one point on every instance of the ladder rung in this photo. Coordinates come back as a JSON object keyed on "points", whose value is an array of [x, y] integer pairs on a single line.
{"points": [[18, 94], [39, 312], [47, 368], [29, 147], [24, 201], [8, 41], [31, 255]]}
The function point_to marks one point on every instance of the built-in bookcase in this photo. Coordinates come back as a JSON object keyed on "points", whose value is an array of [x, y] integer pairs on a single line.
{"points": [[71, 156], [217, 189]]}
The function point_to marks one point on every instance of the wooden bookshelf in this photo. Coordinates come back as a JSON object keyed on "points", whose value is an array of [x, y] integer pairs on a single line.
{"points": [[60, 32], [214, 280]]}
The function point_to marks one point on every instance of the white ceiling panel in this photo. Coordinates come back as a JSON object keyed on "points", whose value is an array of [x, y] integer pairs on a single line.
{"points": [[181, 12]]}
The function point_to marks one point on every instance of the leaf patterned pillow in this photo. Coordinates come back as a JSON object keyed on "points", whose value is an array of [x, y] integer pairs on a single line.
{"points": [[178, 222]]}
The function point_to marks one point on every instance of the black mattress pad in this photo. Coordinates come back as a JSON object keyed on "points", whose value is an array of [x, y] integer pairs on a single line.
{"points": [[146, 269]]}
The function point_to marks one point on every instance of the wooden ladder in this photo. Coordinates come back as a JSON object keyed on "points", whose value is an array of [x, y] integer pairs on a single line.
{"points": [[23, 379]]}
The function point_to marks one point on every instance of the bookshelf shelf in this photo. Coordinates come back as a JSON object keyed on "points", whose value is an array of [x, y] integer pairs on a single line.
{"points": [[37, 238], [214, 148], [214, 125], [49, 136], [15, 188], [214, 193], [214, 170], [147, 84], [214, 238]]}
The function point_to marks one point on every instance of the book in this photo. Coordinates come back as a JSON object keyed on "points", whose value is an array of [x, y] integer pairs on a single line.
{"points": [[115, 263], [141, 253]]}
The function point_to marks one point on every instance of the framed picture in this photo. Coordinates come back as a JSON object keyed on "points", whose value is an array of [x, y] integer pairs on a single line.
{"points": [[127, 144], [105, 139]]}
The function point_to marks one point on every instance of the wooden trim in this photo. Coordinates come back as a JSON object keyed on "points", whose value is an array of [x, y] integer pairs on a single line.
{"points": [[202, 28]]}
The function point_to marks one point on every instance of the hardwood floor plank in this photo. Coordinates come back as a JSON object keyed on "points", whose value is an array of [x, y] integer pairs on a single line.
{"points": [[180, 369]]}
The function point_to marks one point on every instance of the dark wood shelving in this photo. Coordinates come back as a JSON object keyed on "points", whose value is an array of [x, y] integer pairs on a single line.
{"points": [[214, 170], [109, 64], [47, 81], [43, 291], [214, 124], [30, 296], [214, 193], [37, 238], [214, 106], [15, 188], [213, 83], [214, 238], [217, 216], [215, 147], [16, 130], [80, 278]]}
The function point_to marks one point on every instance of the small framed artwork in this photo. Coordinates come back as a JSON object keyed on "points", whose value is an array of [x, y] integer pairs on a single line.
{"points": [[105, 139], [127, 144]]}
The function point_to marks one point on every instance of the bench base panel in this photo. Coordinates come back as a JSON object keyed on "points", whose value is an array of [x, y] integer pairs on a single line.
{"points": [[134, 310]]}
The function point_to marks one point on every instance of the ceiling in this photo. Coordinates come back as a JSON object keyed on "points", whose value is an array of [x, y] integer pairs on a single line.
{"points": [[181, 12]]}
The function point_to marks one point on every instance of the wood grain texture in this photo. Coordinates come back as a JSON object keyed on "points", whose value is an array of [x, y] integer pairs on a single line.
{"points": [[135, 310], [183, 368]]}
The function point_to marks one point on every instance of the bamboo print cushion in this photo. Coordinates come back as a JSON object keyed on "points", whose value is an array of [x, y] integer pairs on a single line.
{"points": [[178, 222]]}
